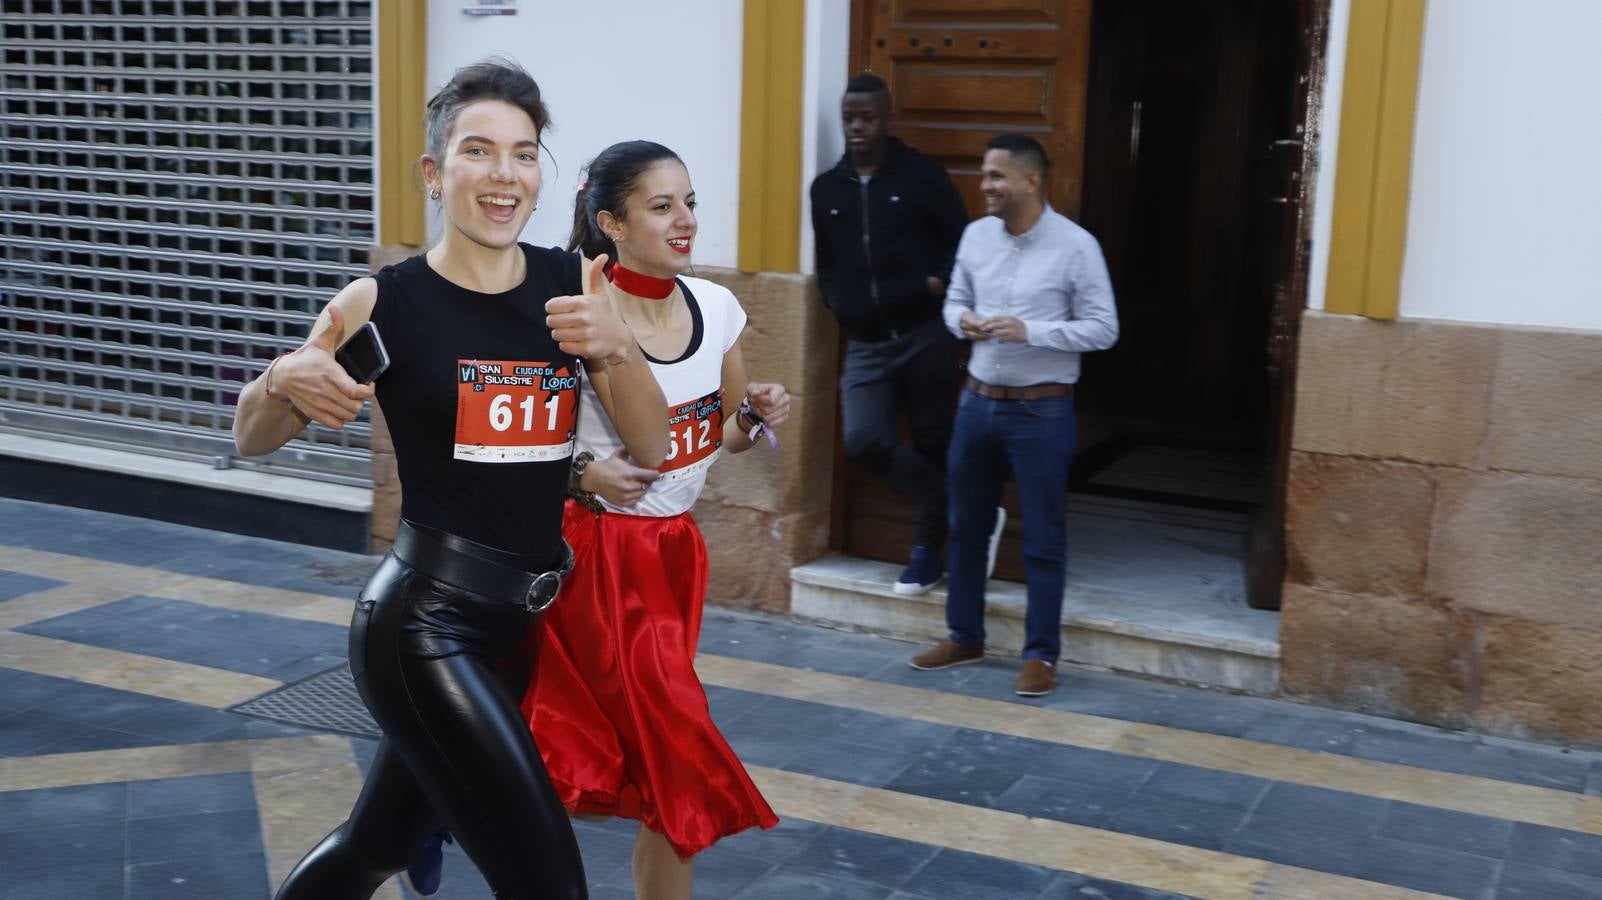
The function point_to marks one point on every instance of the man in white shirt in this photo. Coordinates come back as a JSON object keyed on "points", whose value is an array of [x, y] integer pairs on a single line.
{"points": [[1031, 291]]}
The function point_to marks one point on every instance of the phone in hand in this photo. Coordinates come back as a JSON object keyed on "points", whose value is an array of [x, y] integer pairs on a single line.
{"points": [[363, 356]]}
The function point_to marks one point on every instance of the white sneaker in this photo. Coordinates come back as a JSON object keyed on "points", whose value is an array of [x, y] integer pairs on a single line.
{"points": [[995, 541]]}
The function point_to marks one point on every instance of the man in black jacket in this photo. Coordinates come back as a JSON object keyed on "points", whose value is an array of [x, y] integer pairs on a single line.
{"points": [[887, 221]]}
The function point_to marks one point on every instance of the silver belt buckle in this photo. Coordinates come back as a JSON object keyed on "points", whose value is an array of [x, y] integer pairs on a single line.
{"points": [[542, 592]]}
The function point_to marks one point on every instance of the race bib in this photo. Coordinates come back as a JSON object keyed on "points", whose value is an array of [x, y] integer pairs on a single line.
{"points": [[514, 411], [695, 430]]}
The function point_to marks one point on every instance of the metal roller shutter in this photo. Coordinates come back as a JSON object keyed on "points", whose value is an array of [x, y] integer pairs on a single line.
{"points": [[183, 184]]}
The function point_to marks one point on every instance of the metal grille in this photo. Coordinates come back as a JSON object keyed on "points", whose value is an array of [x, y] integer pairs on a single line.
{"points": [[183, 183], [327, 701]]}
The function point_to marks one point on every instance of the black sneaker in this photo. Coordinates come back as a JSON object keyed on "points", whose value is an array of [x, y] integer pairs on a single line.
{"points": [[924, 570], [424, 874]]}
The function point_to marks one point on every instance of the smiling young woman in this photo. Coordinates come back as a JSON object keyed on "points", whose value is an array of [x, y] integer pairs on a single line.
{"points": [[485, 338]]}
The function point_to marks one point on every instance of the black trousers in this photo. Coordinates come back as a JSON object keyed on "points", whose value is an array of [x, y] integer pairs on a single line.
{"points": [[914, 375], [443, 672]]}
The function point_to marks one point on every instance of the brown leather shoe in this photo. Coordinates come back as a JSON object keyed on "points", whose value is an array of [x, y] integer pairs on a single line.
{"points": [[946, 654], [1036, 680]]}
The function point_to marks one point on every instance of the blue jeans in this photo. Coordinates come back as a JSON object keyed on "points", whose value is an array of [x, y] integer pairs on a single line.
{"points": [[1034, 440]]}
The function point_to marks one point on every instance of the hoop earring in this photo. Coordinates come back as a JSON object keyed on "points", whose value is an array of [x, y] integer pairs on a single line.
{"points": [[434, 194]]}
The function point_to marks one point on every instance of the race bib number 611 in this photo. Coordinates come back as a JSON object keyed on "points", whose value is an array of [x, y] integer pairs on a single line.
{"points": [[509, 411]]}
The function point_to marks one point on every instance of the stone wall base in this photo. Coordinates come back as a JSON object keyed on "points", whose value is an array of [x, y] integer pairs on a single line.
{"points": [[1445, 525]]}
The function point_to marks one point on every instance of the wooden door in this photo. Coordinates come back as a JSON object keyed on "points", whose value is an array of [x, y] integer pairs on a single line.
{"points": [[961, 72], [1297, 156]]}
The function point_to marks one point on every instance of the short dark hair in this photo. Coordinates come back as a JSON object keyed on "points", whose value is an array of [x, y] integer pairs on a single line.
{"points": [[1022, 148], [612, 177], [867, 83]]}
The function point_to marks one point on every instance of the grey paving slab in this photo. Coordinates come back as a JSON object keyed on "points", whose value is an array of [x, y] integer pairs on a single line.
{"points": [[1450, 830], [238, 876], [62, 846], [1072, 886], [1521, 882], [63, 806], [846, 761], [776, 844], [1207, 786], [15, 584], [1063, 801], [728, 704], [1426, 868], [201, 635], [79, 878], [719, 876], [1203, 825], [954, 873], [1323, 808], [184, 723], [794, 883], [1555, 848], [191, 794], [165, 838], [859, 856], [96, 739], [1301, 844]]}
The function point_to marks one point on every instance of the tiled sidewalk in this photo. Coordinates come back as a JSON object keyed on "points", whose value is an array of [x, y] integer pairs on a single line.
{"points": [[123, 642]]}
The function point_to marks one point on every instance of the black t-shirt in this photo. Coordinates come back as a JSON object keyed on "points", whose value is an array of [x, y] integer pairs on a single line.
{"points": [[481, 403]]}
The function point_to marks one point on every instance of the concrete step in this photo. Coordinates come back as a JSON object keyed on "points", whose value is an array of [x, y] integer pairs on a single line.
{"points": [[1197, 640]]}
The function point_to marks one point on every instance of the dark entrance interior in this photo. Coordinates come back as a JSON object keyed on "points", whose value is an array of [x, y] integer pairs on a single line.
{"points": [[1193, 162]]}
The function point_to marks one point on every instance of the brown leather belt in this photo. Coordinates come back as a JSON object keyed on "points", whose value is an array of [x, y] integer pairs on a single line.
{"points": [[1027, 392]]}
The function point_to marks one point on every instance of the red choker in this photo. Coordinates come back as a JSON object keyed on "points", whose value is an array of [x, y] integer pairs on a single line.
{"points": [[632, 282]]}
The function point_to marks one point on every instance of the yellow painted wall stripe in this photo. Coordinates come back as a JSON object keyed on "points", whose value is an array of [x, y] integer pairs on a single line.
{"points": [[1375, 158], [770, 136], [402, 52], [1444, 790]]}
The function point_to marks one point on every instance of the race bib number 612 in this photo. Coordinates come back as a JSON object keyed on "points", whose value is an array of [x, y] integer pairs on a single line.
{"points": [[509, 411]]}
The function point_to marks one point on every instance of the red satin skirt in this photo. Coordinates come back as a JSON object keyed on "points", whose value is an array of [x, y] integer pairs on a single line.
{"points": [[616, 708]]}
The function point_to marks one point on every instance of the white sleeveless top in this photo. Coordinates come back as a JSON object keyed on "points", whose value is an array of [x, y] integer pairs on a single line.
{"points": [[693, 386]]}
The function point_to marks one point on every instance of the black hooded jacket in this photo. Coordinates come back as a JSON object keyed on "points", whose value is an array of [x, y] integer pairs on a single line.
{"points": [[877, 285]]}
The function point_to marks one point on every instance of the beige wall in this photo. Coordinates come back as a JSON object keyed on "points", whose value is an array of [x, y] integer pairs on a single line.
{"points": [[762, 512], [1445, 525]]}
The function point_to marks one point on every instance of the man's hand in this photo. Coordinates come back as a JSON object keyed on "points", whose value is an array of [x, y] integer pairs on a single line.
{"points": [[317, 385], [937, 288], [1008, 329], [973, 327], [617, 479], [587, 325], [771, 402]]}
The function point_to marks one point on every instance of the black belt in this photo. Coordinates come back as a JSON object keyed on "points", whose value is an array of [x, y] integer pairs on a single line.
{"points": [[471, 566]]}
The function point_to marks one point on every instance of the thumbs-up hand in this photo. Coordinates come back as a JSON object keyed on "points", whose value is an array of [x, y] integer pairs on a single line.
{"points": [[317, 385], [587, 325], [618, 480]]}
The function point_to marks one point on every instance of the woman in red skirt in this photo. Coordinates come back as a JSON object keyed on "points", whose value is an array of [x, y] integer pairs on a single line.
{"points": [[616, 708]]}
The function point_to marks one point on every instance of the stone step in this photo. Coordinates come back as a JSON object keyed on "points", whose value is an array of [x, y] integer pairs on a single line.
{"points": [[1196, 640]]}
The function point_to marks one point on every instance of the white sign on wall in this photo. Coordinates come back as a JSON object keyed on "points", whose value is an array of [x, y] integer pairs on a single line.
{"points": [[490, 7]]}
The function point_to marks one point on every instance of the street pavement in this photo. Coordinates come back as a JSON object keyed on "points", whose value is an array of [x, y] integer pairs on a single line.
{"points": [[124, 644]]}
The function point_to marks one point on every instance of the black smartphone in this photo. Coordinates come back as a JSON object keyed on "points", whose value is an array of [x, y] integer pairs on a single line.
{"points": [[363, 356]]}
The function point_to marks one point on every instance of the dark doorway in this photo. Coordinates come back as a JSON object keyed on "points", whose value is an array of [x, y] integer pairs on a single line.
{"points": [[1184, 187]]}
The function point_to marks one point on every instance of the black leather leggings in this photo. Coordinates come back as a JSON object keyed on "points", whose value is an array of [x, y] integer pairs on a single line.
{"points": [[443, 672]]}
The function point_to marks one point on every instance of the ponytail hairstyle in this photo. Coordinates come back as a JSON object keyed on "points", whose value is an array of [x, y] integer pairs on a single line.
{"points": [[611, 178]]}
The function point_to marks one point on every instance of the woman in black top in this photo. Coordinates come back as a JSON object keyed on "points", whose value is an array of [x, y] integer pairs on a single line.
{"points": [[484, 336]]}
